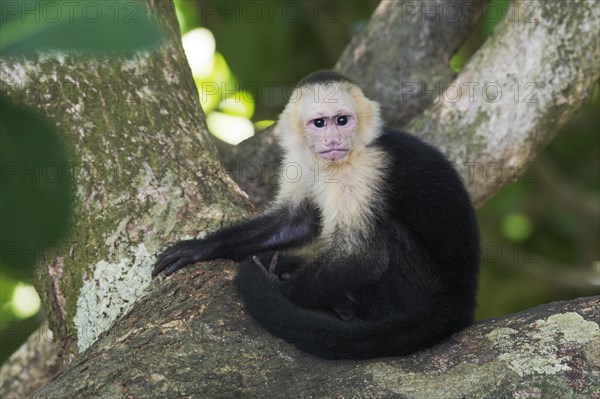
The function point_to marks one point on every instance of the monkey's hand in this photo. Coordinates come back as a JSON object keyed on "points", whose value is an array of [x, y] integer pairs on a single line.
{"points": [[181, 254]]}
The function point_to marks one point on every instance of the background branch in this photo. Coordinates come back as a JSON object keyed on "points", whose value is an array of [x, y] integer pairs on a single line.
{"points": [[516, 92], [395, 58], [404, 51], [31, 366], [528, 80]]}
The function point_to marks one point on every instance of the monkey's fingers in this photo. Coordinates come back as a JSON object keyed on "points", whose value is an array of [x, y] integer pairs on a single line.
{"points": [[343, 314], [260, 266], [274, 261], [176, 266], [164, 260], [269, 274], [168, 257], [156, 270]]}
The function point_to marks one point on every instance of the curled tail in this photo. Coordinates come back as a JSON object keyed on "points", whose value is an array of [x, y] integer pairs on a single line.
{"points": [[327, 336]]}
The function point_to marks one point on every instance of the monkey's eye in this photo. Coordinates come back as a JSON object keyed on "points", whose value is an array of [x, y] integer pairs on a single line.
{"points": [[319, 122], [341, 120]]}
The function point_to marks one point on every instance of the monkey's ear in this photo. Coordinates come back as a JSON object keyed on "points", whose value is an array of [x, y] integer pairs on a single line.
{"points": [[289, 128], [370, 124]]}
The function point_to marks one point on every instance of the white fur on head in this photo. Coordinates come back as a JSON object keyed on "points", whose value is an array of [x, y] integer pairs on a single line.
{"points": [[290, 126]]}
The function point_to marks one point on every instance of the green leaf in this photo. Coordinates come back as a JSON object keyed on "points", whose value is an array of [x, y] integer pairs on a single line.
{"points": [[103, 25], [35, 196]]}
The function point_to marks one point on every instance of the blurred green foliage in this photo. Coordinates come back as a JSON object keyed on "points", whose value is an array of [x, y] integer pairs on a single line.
{"points": [[108, 26], [268, 43], [539, 234], [34, 191], [542, 232]]}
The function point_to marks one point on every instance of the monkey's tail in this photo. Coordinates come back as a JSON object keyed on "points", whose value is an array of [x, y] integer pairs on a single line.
{"points": [[327, 336]]}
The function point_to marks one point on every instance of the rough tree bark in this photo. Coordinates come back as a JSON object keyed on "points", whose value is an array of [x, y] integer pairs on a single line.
{"points": [[515, 93], [191, 338], [189, 335]]}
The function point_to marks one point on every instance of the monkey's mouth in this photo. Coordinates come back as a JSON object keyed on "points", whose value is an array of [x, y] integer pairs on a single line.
{"points": [[335, 154]]}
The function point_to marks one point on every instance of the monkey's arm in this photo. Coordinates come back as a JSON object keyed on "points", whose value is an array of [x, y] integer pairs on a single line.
{"points": [[278, 228]]}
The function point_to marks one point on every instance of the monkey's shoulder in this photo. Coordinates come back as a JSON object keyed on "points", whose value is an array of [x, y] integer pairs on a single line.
{"points": [[408, 146], [420, 177], [414, 160]]}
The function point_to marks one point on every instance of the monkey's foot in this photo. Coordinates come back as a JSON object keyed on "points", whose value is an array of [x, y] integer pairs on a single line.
{"points": [[270, 271]]}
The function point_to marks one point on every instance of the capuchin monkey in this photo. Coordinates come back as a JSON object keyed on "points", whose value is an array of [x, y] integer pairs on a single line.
{"points": [[398, 243]]}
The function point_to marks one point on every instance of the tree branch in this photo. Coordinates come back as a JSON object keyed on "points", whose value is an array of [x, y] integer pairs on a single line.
{"points": [[526, 82], [190, 337], [405, 50], [145, 170]]}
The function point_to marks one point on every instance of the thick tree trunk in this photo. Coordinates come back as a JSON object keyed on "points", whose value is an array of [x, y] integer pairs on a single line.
{"points": [[148, 173], [145, 170]]}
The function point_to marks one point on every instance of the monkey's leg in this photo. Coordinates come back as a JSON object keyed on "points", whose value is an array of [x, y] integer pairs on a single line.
{"points": [[344, 310], [327, 282]]}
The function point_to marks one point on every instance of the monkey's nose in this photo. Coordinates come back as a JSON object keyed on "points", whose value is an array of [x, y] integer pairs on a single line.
{"points": [[331, 140]]}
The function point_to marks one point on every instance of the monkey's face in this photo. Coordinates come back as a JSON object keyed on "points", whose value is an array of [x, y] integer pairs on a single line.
{"points": [[329, 121]]}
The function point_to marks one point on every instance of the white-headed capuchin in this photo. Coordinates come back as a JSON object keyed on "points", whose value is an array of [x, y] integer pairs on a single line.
{"points": [[398, 244]]}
